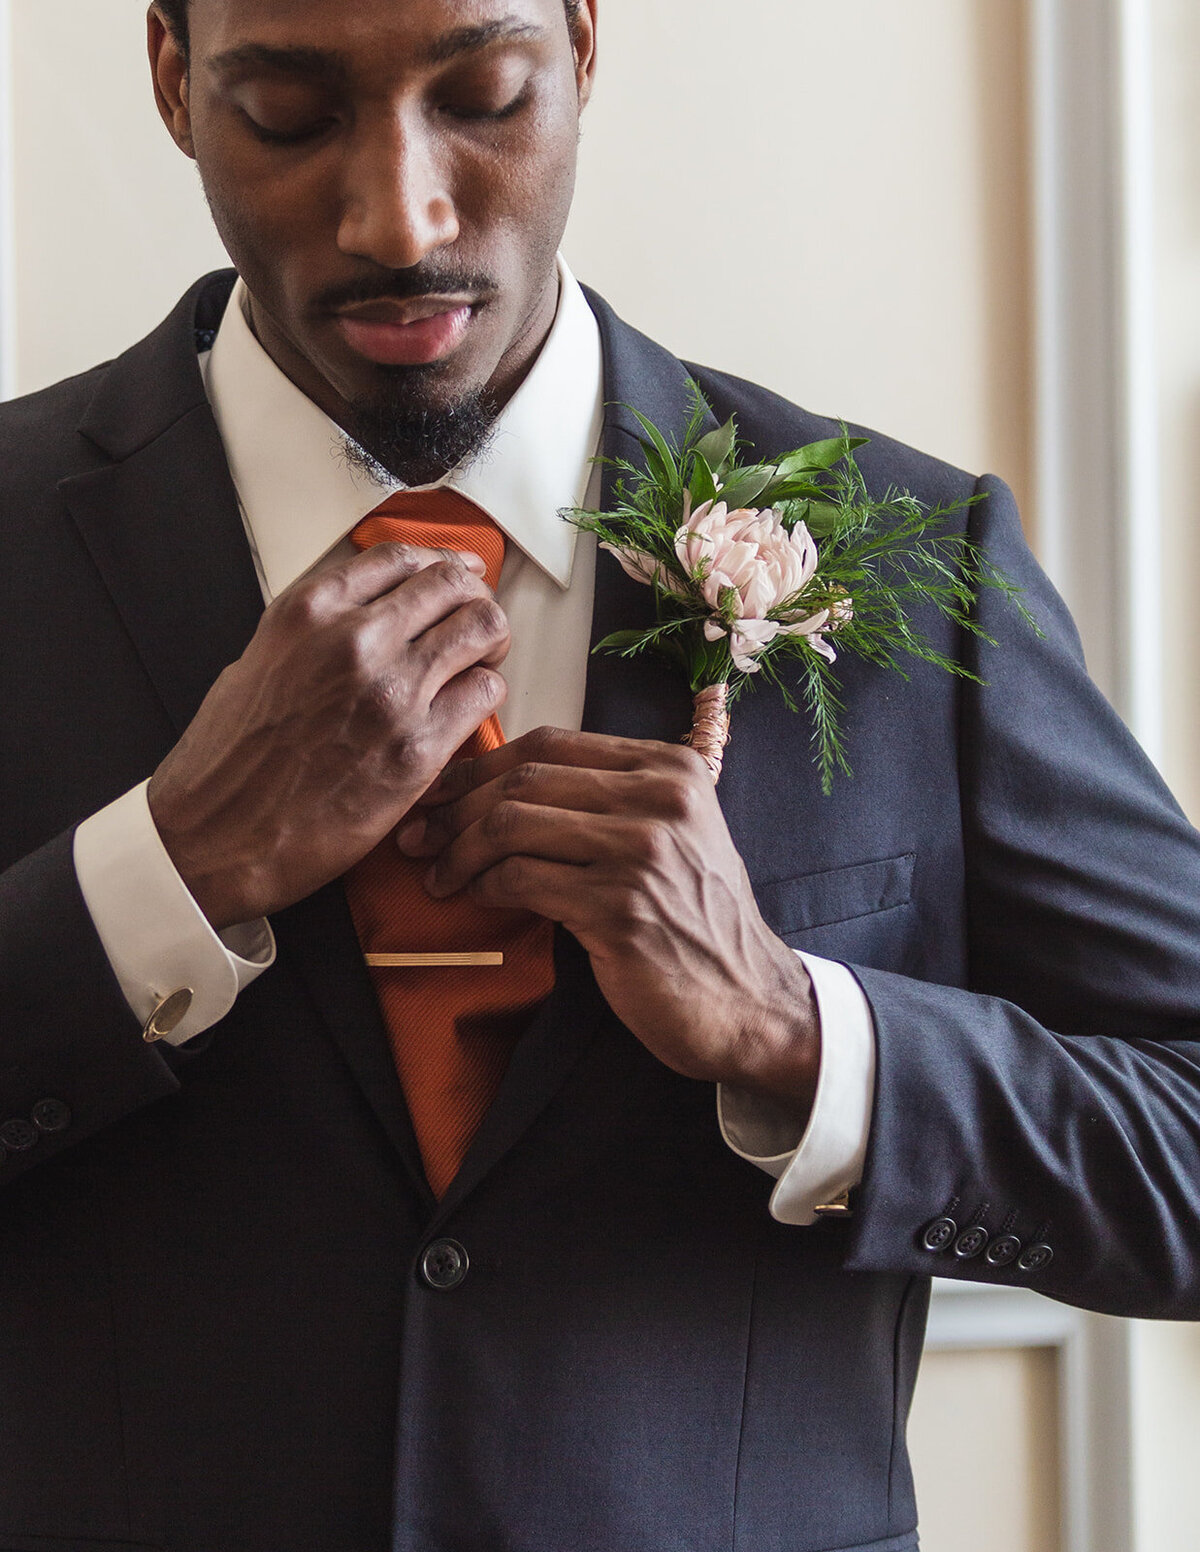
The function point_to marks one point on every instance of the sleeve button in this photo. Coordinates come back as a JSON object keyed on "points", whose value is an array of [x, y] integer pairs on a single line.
{"points": [[51, 1115], [939, 1234], [1003, 1251], [1036, 1258], [970, 1242]]}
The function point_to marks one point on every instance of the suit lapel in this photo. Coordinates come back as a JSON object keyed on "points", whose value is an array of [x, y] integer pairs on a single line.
{"points": [[639, 698]]}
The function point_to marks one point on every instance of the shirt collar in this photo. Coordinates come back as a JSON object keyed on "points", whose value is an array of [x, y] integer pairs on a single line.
{"points": [[300, 495]]}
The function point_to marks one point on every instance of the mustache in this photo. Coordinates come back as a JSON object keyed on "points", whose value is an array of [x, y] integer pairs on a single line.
{"points": [[402, 285]]}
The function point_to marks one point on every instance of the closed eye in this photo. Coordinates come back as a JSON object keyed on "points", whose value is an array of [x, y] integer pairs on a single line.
{"points": [[488, 115], [287, 137]]}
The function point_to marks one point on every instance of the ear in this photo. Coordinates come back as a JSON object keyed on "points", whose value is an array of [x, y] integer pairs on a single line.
{"points": [[169, 72], [583, 42]]}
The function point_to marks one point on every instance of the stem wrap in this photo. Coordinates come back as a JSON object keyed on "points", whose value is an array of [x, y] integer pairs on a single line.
{"points": [[710, 727]]}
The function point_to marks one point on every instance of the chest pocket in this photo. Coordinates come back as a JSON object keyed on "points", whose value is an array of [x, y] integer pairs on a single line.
{"points": [[840, 905]]}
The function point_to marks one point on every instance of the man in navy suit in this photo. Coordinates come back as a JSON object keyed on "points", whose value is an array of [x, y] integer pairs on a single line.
{"points": [[953, 1009]]}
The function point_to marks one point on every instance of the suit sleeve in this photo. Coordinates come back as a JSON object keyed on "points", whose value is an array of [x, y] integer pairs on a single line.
{"points": [[72, 1059], [1050, 1113]]}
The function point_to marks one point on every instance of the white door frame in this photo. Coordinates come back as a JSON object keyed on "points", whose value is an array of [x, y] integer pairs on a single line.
{"points": [[8, 260]]}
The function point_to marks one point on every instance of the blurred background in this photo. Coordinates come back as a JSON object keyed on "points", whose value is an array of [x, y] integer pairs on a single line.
{"points": [[974, 224]]}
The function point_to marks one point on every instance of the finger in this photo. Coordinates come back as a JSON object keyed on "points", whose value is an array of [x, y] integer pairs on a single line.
{"points": [[525, 829], [555, 890], [476, 633], [426, 597], [555, 746], [432, 828], [363, 578], [463, 705]]}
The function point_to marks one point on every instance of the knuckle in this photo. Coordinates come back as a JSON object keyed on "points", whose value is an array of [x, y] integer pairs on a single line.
{"points": [[511, 877], [501, 821], [489, 619], [681, 799], [519, 779], [544, 743]]}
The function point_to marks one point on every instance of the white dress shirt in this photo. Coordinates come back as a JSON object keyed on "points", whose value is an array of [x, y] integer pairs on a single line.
{"points": [[299, 498]]}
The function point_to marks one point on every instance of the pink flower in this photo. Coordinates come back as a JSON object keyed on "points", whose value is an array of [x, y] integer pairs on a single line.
{"points": [[748, 566]]}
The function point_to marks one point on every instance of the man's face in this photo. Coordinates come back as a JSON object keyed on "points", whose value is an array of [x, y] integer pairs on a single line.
{"points": [[391, 178]]}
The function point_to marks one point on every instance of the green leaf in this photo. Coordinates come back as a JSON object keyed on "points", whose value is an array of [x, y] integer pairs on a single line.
{"points": [[658, 451], [823, 519], [621, 641], [704, 485], [717, 447], [820, 455], [746, 486]]}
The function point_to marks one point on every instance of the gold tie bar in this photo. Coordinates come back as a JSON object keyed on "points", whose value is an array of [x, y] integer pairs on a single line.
{"points": [[431, 961]]}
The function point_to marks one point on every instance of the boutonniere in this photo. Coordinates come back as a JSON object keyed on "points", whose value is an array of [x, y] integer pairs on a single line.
{"points": [[758, 565]]}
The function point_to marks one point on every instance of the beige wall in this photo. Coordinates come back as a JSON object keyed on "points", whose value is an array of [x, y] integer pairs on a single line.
{"points": [[828, 199]]}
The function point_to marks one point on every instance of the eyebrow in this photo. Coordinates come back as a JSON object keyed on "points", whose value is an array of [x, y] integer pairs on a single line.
{"points": [[469, 40], [314, 63], [319, 64]]}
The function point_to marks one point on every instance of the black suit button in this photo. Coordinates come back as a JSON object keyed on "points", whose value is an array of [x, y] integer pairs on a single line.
{"points": [[444, 1265], [1003, 1251], [939, 1234], [19, 1136], [970, 1242], [1035, 1258], [51, 1115]]}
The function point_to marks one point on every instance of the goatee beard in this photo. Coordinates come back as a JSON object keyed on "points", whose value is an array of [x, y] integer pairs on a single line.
{"points": [[404, 434]]}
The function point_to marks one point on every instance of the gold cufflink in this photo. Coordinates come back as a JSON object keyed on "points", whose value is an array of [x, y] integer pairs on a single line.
{"points": [[839, 1207], [431, 961], [168, 1016]]}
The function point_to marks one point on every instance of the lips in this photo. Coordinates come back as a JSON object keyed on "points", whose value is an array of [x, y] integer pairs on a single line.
{"points": [[405, 334]]}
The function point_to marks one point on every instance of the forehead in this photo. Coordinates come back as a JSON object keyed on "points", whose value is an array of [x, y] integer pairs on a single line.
{"points": [[403, 30]]}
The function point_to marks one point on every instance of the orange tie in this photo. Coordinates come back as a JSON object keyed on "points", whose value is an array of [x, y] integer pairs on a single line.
{"points": [[452, 1029]]}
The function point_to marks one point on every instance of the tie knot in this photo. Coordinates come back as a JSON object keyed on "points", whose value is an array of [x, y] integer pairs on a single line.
{"points": [[437, 520]]}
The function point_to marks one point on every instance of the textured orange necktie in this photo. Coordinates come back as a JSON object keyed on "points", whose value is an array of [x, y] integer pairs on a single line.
{"points": [[452, 1028]]}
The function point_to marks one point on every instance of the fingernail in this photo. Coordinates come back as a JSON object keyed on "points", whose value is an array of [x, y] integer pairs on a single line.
{"points": [[473, 562], [410, 834]]}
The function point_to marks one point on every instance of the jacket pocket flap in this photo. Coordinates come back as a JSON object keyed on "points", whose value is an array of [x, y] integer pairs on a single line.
{"points": [[839, 894]]}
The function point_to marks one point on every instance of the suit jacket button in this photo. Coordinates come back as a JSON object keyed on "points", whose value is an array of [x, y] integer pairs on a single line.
{"points": [[19, 1136], [970, 1242], [51, 1115], [1003, 1251], [444, 1265], [1036, 1258], [939, 1235]]}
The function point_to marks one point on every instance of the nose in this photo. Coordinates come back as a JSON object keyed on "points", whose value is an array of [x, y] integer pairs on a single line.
{"points": [[397, 206]]}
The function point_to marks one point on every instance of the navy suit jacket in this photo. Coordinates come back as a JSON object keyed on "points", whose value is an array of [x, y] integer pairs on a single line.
{"points": [[215, 1335]]}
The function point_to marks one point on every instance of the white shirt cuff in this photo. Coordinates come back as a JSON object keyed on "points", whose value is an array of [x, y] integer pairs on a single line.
{"points": [[157, 939], [828, 1158]]}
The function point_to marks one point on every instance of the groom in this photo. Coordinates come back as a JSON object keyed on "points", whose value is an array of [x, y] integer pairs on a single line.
{"points": [[307, 1248]]}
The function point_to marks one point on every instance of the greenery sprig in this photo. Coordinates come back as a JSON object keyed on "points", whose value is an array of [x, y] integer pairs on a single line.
{"points": [[756, 564]]}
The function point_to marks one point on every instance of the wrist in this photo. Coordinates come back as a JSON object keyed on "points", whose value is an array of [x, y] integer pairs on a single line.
{"points": [[778, 1052]]}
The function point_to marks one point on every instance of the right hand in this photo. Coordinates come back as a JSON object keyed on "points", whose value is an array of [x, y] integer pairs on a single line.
{"points": [[357, 688]]}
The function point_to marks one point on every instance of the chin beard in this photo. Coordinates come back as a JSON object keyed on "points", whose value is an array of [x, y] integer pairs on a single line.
{"points": [[404, 434]]}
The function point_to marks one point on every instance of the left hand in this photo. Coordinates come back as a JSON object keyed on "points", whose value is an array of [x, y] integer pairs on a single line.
{"points": [[624, 843]]}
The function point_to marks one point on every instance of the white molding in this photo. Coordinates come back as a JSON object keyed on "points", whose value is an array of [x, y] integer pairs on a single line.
{"points": [[1094, 1389], [1099, 510], [8, 262]]}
